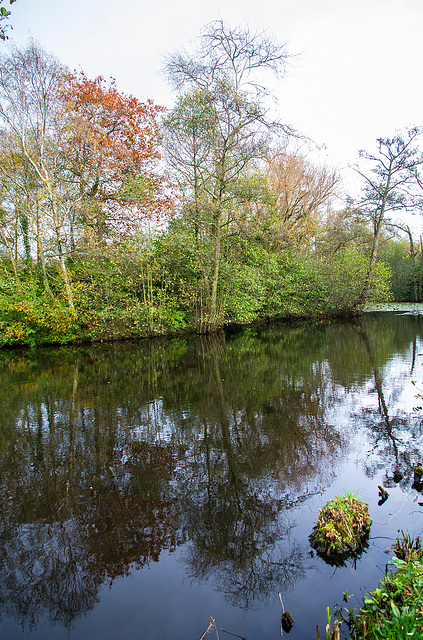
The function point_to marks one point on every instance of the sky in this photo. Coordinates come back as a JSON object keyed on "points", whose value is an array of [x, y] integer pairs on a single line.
{"points": [[356, 74]]}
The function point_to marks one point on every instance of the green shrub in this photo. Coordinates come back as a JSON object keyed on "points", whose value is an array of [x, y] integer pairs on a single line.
{"points": [[394, 611]]}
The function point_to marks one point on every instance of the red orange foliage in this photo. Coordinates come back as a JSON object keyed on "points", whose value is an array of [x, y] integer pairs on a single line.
{"points": [[114, 142]]}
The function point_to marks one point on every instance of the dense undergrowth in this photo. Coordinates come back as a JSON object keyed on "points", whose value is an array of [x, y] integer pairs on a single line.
{"points": [[134, 290]]}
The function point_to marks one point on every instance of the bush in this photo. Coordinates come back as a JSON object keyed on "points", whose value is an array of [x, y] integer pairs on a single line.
{"points": [[40, 321]]}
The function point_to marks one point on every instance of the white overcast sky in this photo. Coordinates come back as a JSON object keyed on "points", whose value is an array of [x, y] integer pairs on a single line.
{"points": [[357, 75]]}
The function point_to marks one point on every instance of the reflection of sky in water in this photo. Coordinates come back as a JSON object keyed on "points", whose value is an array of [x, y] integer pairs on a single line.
{"points": [[215, 467]]}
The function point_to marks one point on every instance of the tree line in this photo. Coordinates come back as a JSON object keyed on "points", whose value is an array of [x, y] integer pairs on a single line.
{"points": [[121, 219]]}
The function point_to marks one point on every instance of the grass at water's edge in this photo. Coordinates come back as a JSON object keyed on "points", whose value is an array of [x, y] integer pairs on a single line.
{"points": [[394, 610]]}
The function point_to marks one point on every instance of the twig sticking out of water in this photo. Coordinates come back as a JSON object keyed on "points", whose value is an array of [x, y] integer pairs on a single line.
{"points": [[209, 628], [283, 611], [232, 634], [287, 621]]}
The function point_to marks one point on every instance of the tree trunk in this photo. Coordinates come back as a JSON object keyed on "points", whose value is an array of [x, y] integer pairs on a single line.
{"points": [[65, 278], [377, 229], [10, 251], [413, 263], [215, 277], [364, 296], [42, 263]]}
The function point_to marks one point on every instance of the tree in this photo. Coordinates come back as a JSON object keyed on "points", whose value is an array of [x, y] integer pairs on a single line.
{"points": [[30, 80], [76, 156], [344, 228], [112, 151], [388, 188], [4, 15], [414, 251], [219, 126], [302, 194]]}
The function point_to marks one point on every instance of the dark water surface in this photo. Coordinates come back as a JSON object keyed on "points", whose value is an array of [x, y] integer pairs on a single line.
{"points": [[147, 487]]}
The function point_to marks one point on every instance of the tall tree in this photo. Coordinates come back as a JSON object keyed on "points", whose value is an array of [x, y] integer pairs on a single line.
{"points": [[30, 80], [388, 187], [218, 128], [112, 152]]}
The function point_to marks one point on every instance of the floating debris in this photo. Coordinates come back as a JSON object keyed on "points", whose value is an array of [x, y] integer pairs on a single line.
{"points": [[383, 495]]}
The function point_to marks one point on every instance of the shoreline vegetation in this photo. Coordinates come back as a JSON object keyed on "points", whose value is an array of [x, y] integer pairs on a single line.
{"points": [[128, 293], [131, 292], [394, 610]]}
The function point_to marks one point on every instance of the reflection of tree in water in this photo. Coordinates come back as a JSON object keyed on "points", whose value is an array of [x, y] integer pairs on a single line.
{"points": [[240, 545], [62, 537], [397, 444], [113, 456], [235, 513], [44, 570]]}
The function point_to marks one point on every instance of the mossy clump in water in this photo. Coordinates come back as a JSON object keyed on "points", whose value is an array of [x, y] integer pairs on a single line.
{"points": [[342, 526]]}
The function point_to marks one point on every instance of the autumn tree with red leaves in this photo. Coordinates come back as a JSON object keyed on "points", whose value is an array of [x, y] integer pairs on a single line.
{"points": [[78, 162], [112, 153]]}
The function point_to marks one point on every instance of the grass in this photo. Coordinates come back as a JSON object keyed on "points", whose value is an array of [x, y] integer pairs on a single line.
{"points": [[342, 526], [394, 611]]}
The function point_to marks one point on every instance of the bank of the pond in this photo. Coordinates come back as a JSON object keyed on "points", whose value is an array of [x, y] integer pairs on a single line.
{"points": [[394, 610], [57, 324], [131, 293]]}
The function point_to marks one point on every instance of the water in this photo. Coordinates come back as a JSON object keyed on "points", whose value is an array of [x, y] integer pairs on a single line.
{"points": [[148, 487]]}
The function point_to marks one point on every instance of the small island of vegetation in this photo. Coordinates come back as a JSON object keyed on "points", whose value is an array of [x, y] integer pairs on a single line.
{"points": [[342, 526]]}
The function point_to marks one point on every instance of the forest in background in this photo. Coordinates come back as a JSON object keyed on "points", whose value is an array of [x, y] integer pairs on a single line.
{"points": [[120, 219]]}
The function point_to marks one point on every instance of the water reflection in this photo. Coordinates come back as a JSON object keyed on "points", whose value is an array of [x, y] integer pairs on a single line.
{"points": [[395, 434], [110, 455]]}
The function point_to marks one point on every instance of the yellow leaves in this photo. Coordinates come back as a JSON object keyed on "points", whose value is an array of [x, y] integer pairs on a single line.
{"points": [[34, 322], [301, 191]]}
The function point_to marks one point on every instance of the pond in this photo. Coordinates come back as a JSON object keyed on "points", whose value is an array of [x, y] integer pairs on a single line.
{"points": [[147, 487]]}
